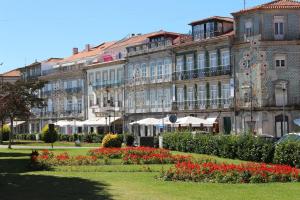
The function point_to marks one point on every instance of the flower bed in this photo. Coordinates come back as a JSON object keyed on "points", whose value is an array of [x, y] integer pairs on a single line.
{"points": [[230, 173], [46, 159], [139, 155]]}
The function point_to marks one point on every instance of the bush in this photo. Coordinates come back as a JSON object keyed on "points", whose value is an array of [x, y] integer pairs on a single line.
{"points": [[49, 137], [112, 141], [243, 147], [129, 140], [288, 153], [93, 138], [5, 132]]}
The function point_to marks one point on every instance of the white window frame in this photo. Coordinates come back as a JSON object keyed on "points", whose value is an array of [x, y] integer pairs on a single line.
{"points": [[281, 60], [213, 61], [190, 62], [201, 60], [249, 28], [179, 64]]}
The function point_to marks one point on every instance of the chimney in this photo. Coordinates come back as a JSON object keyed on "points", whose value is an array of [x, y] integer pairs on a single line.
{"points": [[87, 47], [75, 50]]}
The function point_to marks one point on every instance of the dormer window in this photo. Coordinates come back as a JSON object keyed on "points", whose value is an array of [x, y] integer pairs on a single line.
{"points": [[199, 32]]}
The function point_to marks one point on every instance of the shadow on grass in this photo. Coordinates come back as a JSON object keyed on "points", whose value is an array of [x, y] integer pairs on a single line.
{"points": [[41, 187], [14, 162]]}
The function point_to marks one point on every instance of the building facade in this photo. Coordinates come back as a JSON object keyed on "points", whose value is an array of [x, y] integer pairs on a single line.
{"points": [[241, 73], [266, 48]]}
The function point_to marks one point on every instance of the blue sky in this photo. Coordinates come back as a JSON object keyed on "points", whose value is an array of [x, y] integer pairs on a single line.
{"points": [[39, 29]]}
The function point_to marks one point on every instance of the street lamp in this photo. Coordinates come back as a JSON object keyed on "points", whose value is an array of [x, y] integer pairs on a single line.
{"points": [[283, 108]]}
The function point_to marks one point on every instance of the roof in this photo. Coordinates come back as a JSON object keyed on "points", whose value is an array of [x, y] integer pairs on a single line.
{"points": [[219, 18], [85, 54], [139, 39], [277, 4], [12, 73], [52, 60]]}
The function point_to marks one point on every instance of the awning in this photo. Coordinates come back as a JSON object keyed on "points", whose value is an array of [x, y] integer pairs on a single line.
{"points": [[16, 123], [211, 119], [193, 121], [100, 121], [146, 122], [297, 122], [68, 123]]}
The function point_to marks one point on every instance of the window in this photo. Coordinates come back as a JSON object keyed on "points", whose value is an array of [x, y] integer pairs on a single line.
{"points": [[179, 64], [190, 94], [180, 95], [201, 95], [69, 104], [281, 94], [159, 69], [278, 27], [130, 72], [144, 70], [225, 58], [98, 77], [79, 104], [214, 95], [210, 29], [201, 61], [280, 61], [152, 97], [112, 75], [249, 28], [91, 78], [152, 70], [199, 32], [137, 71], [213, 59], [120, 75], [105, 76], [225, 94], [190, 62], [168, 66]]}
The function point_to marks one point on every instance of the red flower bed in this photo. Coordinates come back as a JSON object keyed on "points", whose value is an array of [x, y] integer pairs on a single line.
{"points": [[139, 155], [230, 173], [45, 159]]}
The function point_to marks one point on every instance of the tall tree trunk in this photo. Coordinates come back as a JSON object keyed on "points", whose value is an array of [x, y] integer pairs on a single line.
{"points": [[11, 132]]}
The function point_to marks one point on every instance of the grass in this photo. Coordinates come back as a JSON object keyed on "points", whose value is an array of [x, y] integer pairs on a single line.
{"points": [[56, 144], [118, 181]]}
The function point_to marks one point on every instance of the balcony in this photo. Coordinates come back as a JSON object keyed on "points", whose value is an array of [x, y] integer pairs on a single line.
{"points": [[73, 90], [219, 103], [108, 84], [149, 47], [149, 80], [202, 73]]}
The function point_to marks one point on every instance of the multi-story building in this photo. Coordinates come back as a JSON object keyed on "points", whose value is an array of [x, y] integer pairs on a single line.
{"points": [[148, 79], [106, 86], [266, 49], [202, 73], [65, 89]]}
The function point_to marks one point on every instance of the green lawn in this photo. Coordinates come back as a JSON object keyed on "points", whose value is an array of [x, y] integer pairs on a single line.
{"points": [[118, 181], [56, 144]]}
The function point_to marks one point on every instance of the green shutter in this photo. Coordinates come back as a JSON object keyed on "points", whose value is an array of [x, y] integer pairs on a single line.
{"points": [[206, 63], [219, 69], [207, 95], [220, 93]]}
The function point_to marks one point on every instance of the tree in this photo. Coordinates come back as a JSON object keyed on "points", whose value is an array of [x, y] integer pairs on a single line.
{"points": [[18, 99]]}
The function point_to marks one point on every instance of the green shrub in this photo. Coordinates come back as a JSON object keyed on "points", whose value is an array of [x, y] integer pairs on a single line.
{"points": [[288, 153], [49, 137], [112, 141], [93, 138], [129, 140], [5, 132], [243, 147]]}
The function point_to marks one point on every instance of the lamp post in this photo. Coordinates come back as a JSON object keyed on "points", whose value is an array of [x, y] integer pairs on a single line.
{"points": [[283, 108]]}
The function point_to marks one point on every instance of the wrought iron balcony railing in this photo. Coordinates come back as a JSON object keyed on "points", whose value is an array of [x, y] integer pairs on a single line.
{"points": [[201, 73], [203, 104], [107, 84]]}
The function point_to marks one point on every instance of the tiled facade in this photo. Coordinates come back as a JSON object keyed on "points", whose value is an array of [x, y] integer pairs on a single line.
{"points": [[207, 73]]}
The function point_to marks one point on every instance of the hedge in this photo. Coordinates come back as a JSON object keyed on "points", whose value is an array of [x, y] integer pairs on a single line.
{"points": [[288, 153], [243, 147], [89, 138]]}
